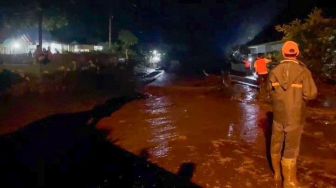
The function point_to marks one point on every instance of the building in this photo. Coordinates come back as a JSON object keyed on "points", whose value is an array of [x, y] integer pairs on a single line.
{"points": [[24, 45], [266, 48]]}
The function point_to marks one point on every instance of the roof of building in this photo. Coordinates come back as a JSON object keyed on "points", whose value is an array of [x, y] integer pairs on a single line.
{"points": [[267, 43]]}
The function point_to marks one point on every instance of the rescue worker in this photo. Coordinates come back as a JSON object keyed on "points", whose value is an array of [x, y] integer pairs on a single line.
{"points": [[290, 85], [261, 69], [247, 65]]}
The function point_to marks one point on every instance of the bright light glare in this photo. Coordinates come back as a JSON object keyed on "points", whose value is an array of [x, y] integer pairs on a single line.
{"points": [[250, 59], [98, 48], [55, 47], [155, 57], [16, 45]]}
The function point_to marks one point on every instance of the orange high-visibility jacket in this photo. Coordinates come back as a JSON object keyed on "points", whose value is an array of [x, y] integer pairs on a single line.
{"points": [[260, 66]]}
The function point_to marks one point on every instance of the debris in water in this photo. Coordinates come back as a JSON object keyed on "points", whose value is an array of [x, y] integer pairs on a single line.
{"points": [[237, 151], [224, 160], [248, 184], [318, 134]]}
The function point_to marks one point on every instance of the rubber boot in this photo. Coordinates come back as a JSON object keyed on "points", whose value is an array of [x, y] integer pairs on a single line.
{"points": [[277, 170], [289, 173]]}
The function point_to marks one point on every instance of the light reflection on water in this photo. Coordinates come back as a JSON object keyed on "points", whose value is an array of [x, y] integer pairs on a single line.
{"points": [[249, 93], [249, 122], [231, 129], [160, 124]]}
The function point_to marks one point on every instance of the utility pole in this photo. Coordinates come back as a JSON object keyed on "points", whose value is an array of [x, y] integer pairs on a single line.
{"points": [[40, 22], [110, 30], [39, 46]]}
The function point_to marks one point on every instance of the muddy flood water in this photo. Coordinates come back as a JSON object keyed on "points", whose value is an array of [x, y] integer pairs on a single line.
{"points": [[223, 134]]}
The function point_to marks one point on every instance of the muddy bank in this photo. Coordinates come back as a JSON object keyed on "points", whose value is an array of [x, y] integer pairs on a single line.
{"points": [[66, 150]]}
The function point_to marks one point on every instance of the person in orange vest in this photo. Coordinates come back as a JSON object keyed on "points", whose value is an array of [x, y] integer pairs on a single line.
{"points": [[290, 85], [261, 69]]}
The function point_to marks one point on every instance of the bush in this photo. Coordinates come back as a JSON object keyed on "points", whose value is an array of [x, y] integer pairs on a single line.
{"points": [[8, 79]]}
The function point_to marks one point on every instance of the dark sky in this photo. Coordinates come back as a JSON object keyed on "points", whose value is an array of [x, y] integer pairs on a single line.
{"points": [[203, 25]]}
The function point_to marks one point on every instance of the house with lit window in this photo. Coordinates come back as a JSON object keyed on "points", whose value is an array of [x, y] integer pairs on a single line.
{"points": [[266, 48], [24, 44]]}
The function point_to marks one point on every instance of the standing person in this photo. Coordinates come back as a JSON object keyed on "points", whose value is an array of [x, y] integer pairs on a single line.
{"points": [[261, 69], [247, 65], [30, 54], [290, 84]]}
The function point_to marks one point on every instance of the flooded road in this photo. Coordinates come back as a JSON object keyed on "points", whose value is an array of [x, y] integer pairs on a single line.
{"points": [[222, 134]]}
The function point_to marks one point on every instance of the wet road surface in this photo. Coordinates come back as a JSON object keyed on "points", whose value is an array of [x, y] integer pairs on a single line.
{"points": [[223, 133]]}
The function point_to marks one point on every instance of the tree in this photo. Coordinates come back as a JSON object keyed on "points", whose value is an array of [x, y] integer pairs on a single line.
{"points": [[316, 37], [114, 49], [127, 39], [37, 13]]}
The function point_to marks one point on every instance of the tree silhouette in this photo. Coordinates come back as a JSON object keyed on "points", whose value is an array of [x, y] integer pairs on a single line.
{"points": [[316, 37], [127, 39]]}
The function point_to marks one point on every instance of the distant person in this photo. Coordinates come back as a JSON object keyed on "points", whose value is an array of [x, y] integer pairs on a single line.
{"points": [[30, 54], [43, 58], [247, 65], [57, 51], [261, 69], [290, 85], [225, 74], [38, 54], [38, 51], [49, 54]]}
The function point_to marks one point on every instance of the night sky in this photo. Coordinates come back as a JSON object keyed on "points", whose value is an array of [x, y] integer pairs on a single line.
{"points": [[207, 26]]}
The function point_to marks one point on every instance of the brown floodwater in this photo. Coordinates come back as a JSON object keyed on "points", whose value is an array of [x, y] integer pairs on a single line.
{"points": [[223, 132]]}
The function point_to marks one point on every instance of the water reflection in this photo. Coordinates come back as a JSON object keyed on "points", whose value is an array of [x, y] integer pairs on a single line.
{"points": [[244, 93], [249, 121], [250, 94], [231, 129], [161, 125]]}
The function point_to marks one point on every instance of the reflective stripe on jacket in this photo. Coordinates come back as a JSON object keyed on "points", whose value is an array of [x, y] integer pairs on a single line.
{"points": [[291, 85]]}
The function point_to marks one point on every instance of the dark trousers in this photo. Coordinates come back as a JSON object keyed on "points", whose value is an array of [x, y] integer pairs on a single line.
{"points": [[286, 141], [262, 82]]}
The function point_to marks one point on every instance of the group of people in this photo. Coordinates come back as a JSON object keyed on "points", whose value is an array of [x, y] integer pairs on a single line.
{"points": [[290, 85], [43, 55]]}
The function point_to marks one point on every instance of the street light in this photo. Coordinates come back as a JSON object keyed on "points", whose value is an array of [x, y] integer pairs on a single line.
{"points": [[155, 57], [16, 45]]}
